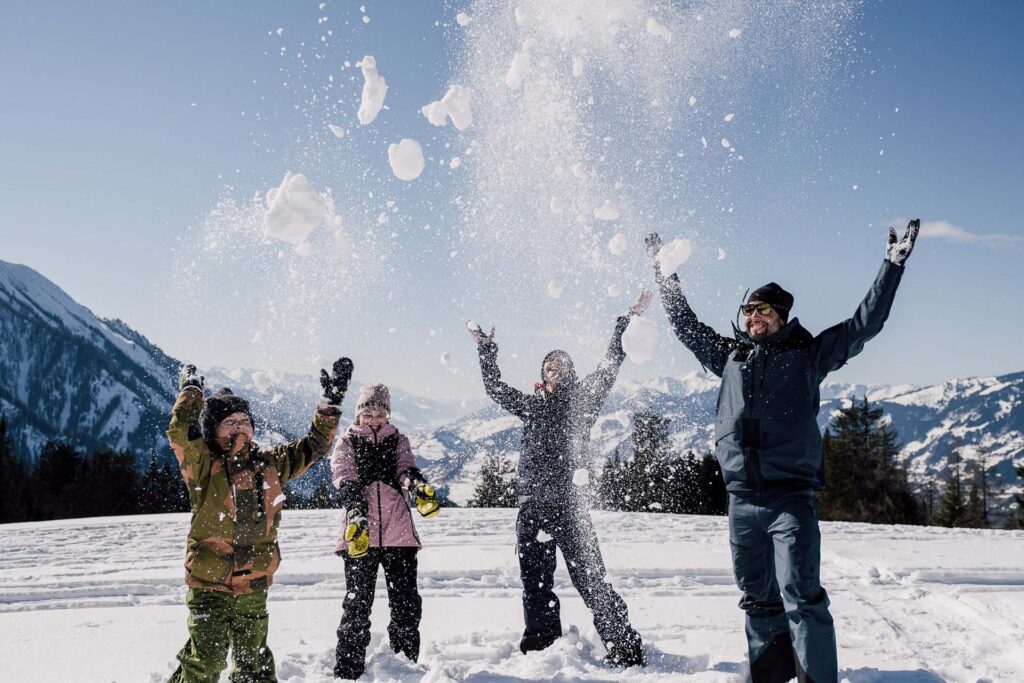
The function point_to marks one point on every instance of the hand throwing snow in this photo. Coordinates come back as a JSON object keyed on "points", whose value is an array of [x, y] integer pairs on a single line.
{"points": [[898, 251], [477, 333], [641, 303], [653, 245]]}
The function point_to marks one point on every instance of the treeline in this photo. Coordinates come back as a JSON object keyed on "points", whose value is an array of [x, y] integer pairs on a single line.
{"points": [[864, 479], [65, 483]]}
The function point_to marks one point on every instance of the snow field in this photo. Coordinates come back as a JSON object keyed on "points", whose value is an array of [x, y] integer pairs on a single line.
{"points": [[912, 605]]}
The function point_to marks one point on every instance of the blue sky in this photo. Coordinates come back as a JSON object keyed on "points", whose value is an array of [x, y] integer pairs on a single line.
{"points": [[125, 124]]}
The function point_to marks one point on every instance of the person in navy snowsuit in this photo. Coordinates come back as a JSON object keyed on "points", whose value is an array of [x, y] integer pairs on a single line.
{"points": [[557, 420], [769, 446]]}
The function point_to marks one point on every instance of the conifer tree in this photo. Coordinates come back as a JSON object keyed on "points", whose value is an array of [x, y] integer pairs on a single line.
{"points": [[55, 481], [497, 486], [714, 496], [15, 505], [1016, 519], [952, 510]]}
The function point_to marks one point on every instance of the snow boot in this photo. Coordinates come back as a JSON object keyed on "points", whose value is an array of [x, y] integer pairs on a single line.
{"points": [[626, 653], [533, 642], [776, 664], [348, 671]]}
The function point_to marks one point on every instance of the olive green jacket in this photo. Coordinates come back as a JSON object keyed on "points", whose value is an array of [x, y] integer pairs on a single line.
{"points": [[237, 501]]}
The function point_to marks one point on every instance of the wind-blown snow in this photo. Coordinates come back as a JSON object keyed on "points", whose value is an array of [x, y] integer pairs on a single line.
{"points": [[657, 29], [406, 159], [911, 604], [374, 90], [609, 211]]}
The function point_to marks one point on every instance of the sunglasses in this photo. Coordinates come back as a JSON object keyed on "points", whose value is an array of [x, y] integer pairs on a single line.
{"points": [[236, 424], [760, 307]]}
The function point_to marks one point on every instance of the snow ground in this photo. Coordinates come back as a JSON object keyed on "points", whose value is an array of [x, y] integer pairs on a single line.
{"points": [[102, 600]]}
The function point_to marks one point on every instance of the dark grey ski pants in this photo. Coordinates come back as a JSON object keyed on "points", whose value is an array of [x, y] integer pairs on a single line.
{"points": [[571, 530], [776, 556]]}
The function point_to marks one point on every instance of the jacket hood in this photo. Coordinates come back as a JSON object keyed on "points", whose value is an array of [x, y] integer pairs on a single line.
{"points": [[570, 378]]}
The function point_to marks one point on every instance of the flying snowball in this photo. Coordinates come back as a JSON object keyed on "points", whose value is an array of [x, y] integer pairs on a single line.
{"points": [[721, 254], [735, 33], [674, 254], [446, 358], [294, 210], [640, 339], [614, 290], [374, 90], [406, 159], [337, 130], [555, 288], [581, 478], [454, 105], [463, 19], [617, 244], [608, 211]]}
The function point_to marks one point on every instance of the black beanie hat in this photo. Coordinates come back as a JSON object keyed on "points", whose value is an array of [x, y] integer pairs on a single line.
{"points": [[218, 407], [773, 294]]}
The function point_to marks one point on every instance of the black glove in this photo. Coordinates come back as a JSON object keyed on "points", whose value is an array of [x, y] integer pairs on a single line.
{"points": [[897, 251], [336, 384], [188, 377]]}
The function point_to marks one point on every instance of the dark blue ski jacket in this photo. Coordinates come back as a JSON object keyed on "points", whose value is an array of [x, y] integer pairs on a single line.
{"points": [[766, 428], [556, 427]]}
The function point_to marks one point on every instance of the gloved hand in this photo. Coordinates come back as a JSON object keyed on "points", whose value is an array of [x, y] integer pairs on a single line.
{"points": [[898, 251], [357, 532], [477, 333], [652, 245], [188, 377], [426, 498], [336, 384], [641, 303]]}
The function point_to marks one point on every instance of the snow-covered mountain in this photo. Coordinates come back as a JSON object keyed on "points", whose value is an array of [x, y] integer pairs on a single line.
{"points": [[981, 417], [67, 374]]}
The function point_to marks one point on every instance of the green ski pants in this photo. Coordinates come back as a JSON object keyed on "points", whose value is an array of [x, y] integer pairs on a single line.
{"points": [[217, 621]]}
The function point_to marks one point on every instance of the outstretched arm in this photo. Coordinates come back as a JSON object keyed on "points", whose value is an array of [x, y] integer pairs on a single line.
{"points": [[840, 343], [598, 383], [512, 400], [184, 432], [711, 348]]}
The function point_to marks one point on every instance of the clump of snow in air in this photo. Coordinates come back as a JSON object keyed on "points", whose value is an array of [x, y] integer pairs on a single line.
{"points": [[614, 290], [261, 380], [294, 210], [374, 90], [581, 478], [337, 130], [555, 288], [726, 143], [721, 254], [692, 101], [446, 358], [463, 19], [406, 159], [543, 536], [455, 162], [518, 69], [617, 244], [657, 29], [640, 339], [674, 254], [454, 105], [735, 33], [609, 211], [729, 117], [304, 249]]}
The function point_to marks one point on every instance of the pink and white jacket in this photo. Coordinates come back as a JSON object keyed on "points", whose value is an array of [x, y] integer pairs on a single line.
{"points": [[375, 470]]}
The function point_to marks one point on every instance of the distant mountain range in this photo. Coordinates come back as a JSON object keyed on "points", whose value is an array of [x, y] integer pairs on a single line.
{"points": [[67, 374]]}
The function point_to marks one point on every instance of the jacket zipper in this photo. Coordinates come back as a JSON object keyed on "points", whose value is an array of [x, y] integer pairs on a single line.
{"points": [[380, 520]]}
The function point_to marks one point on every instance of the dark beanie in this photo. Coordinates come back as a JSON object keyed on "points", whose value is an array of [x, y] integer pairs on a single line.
{"points": [[561, 355], [218, 407], [773, 294]]}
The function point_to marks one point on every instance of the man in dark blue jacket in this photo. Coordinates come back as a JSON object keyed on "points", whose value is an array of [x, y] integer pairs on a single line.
{"points": [[557, 420], [769, 446]]}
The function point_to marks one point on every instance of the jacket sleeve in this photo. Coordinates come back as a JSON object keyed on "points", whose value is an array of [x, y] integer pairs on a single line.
{"points": [[186, 437], [597, 384], [512, 400], [405, 464], [711, 348], [293, 459], [841, 342], [344, 474]]}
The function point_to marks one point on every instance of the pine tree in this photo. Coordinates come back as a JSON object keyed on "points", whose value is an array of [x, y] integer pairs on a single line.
{"points": [[497, 486], [864, 482], [107, 484], [650, 475], [15, 505], [610, 490], [952, 510], [1016, 519], [55, 481], [714, 496]]}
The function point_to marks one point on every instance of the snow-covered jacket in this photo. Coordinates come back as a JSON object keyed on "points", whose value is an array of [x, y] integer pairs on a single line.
{"points": [[556, 426], [375, 470], [766, 429], [237, 502]]}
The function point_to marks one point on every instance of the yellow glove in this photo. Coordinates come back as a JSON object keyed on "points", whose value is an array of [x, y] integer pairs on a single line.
{"points": [[426, 502], [357, 533]]}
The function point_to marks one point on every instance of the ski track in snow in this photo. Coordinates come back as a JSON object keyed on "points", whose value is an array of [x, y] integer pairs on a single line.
{"points": [[912, 605]]}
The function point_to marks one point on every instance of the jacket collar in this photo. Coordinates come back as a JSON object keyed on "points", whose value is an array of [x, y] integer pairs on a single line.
{"points": [[364, 431], [791, 332]]}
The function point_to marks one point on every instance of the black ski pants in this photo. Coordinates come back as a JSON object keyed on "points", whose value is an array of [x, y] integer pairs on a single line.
{"points": [[571, 530], [403, 599]]}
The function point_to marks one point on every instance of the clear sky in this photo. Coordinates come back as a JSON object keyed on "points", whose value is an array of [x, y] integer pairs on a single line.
{"points": [[126, 125]]}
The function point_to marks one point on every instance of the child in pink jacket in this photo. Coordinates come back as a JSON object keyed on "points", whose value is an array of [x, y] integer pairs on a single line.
{"points": [[373, 467]]}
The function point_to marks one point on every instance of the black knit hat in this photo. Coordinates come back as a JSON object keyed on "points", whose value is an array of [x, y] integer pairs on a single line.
{"points": [[220, 406], [772, 293]]}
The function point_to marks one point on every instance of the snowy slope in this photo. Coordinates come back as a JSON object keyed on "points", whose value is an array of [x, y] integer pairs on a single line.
{"points": [[979, 414], [102, 600]]}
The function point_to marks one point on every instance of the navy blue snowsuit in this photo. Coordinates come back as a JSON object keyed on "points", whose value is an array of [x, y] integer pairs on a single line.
{"points": [[769, 446], [555, 443]]}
